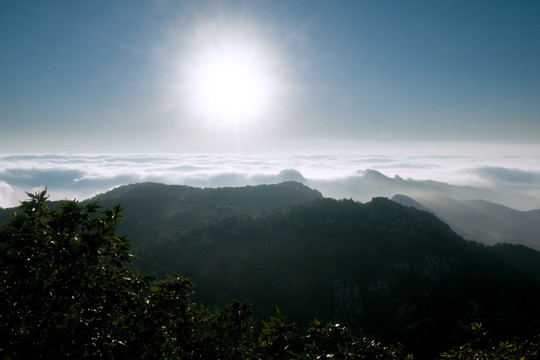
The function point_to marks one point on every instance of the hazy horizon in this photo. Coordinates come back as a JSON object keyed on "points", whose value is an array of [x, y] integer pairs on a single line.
{"points": [[423, 90], [336, 175]]}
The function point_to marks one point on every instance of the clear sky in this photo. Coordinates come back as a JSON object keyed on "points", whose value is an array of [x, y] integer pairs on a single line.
{"points": [[140, 76]]}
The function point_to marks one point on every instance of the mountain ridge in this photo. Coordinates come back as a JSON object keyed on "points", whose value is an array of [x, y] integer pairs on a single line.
{"points": [[493, 223], [153, 210], [380, 267], [481, 220], [366, 184]]}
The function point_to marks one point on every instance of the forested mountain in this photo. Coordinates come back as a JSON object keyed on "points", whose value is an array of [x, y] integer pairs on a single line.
{"points": [[154, 210], [481, 220], [5, 215], [382, 268], [67, 292]]}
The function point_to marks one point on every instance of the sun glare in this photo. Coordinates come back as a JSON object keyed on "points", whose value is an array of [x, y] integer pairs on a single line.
{"points": [[230, 85]]}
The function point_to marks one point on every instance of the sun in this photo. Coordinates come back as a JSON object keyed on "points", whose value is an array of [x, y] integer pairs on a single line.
{"points": [[231, 85]]}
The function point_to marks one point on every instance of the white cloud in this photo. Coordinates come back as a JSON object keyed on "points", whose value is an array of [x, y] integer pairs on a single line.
{"points": [[508, 176], [82, 176]]}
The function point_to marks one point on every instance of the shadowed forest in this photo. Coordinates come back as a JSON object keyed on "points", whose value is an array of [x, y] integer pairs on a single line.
{"points": [[263, 272]]}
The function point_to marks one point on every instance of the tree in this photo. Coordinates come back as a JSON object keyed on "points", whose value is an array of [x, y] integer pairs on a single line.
{"points": [[66, 290], [335, 341], [483, 347], [278, 338]]}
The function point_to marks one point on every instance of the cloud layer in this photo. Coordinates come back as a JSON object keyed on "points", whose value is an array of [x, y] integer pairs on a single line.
{"points": [[82, 176]]}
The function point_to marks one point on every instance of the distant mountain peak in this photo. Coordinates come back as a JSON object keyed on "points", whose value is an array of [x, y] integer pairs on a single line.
{"points": [[374, 174], [291, 175]]}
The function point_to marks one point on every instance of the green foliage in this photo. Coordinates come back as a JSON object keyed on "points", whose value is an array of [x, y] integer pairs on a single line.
{"points": [[335, 341], [225, 334], [68, 291], [277, 338], [483, 347]]}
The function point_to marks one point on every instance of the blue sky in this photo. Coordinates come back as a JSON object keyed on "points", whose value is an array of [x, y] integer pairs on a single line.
{"points": [[97, 94], [111, 76]]}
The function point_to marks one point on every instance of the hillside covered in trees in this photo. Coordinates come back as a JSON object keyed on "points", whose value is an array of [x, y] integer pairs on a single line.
{"points": [[375, 271], [153, 211], [381, 268]]}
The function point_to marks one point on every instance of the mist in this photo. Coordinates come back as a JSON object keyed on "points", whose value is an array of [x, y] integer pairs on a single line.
{"points": [[511, 181]]}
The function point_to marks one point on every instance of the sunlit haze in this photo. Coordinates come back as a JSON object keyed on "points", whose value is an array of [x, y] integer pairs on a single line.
{"points": [[230, 87], [222, 93]]}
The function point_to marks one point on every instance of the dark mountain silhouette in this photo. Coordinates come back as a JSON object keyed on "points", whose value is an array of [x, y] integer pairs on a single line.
{"points": [[5, 215], [407, 201], [482, 220], [382, 268], [535, 214], [154, 210]]}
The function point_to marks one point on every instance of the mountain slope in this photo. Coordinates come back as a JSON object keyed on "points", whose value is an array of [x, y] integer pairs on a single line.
{"points": [[366, 184], [5, 215], [381, 268], [154, 210], [481, 220], [386, 269]]}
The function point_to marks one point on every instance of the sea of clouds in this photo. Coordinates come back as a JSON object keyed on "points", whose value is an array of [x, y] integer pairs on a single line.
{"points": [[337, 175]]}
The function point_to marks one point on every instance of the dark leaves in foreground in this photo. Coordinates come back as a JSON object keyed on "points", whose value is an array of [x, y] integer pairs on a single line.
{"points": [[67, 291]]}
